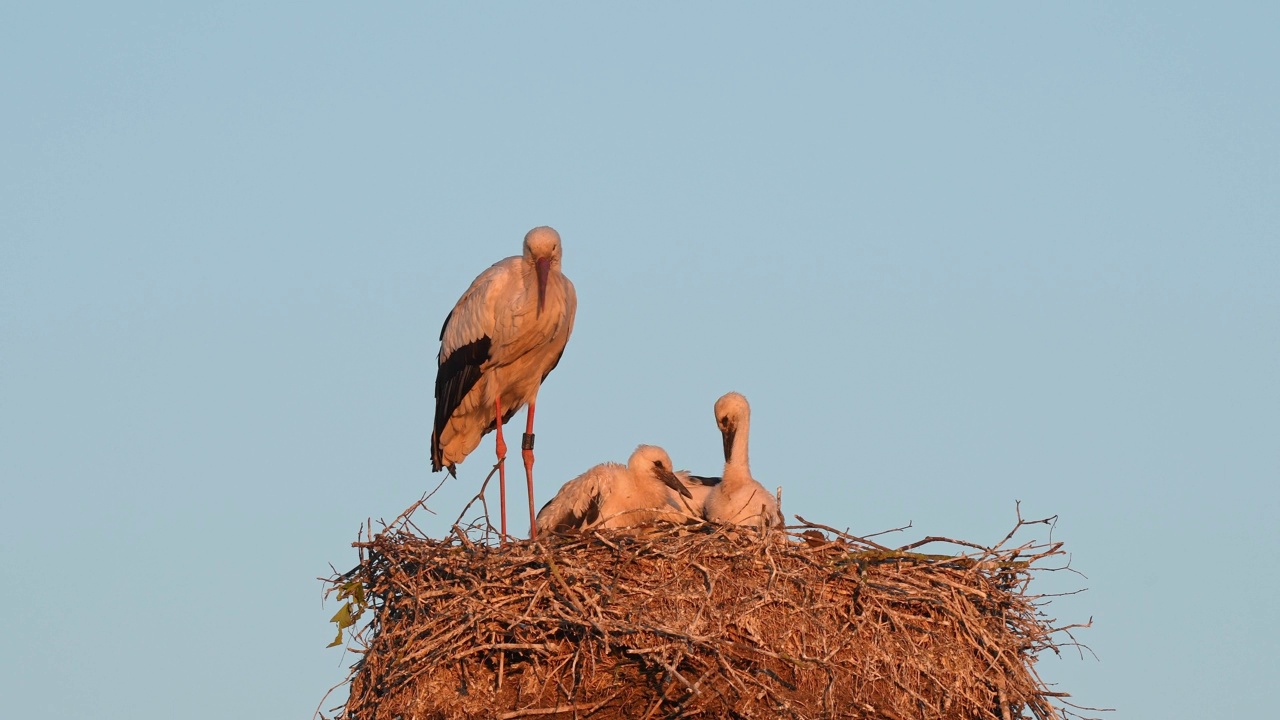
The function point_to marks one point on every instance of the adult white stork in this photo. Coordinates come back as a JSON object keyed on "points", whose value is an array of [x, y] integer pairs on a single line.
{"points": [[610, 495], [497, 345], [738, 498]]}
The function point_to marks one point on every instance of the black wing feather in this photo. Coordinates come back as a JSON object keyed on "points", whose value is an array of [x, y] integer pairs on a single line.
{"points": [[574, 521], [577, 522], [457, 375]]}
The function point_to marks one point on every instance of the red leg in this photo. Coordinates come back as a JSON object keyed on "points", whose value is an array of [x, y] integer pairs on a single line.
{"points": [[526, 450], [502, 470]]}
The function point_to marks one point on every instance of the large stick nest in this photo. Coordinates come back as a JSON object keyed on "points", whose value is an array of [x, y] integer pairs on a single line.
{"points": [[696, 621]]}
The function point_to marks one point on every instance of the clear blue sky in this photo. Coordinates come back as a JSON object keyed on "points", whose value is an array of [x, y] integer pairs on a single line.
{"points": [[955, 256]]}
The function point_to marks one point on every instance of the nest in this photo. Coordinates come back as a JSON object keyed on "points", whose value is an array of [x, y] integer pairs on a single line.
{"points": [[695, 621]]}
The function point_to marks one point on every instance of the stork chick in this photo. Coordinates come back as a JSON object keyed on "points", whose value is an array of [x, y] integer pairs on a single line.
{"points": [[611, 495], [738, 498]]}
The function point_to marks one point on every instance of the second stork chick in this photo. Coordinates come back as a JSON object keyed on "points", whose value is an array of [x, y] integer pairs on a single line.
{"points": [[738, 498]]}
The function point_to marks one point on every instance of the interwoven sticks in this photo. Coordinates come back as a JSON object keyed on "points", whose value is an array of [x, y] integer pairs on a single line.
{"points": [[697, 621]]}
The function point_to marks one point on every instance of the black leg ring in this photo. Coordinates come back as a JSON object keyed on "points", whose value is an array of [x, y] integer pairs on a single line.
{"points": [[526, 442]]}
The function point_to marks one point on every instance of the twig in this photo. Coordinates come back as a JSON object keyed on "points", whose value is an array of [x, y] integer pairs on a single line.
{"points": [[845, 535], [479, 496], [557, 710]]}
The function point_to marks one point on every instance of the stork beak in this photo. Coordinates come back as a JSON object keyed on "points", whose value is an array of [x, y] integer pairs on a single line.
{"points": [[670, 480], [727, 435], [543, 266]]}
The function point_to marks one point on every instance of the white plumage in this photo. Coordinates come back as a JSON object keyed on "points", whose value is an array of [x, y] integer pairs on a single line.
{"points": [[497, 345], [611, 495], [738, 498]]}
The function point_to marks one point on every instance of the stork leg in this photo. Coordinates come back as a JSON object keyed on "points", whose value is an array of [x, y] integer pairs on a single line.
{"points": [[501, 448], [526, 450]]}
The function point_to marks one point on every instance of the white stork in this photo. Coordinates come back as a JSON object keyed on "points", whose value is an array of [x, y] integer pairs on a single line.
{"points": [[738, 498], [497, 345], [610, 495]]}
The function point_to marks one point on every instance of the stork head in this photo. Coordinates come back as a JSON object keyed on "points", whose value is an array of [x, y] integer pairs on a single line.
{"points": [[653, 461], [542, 249], [732, 411]]}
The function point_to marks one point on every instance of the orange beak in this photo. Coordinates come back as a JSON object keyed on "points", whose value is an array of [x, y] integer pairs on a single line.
{"points": [[543, 266]]}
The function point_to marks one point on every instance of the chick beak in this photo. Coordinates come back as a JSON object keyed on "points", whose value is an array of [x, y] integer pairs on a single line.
{"points": [[727, 435], [670, 480]]}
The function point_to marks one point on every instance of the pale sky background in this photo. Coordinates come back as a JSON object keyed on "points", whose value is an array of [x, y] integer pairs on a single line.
{"points": [[956, 255]]}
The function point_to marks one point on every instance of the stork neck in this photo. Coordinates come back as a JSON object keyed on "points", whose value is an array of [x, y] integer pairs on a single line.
{"points": [[738, 465]]}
